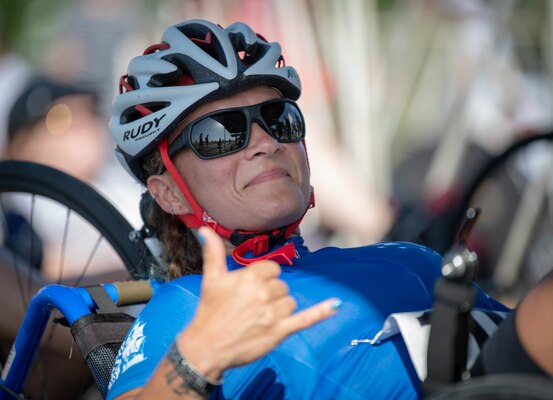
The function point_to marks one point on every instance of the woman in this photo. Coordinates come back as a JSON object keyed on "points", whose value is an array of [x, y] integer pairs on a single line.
{"points": [[231, 84]]}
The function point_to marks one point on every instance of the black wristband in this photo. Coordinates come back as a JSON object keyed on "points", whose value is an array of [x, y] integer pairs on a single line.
{"points": [[194, 379]]}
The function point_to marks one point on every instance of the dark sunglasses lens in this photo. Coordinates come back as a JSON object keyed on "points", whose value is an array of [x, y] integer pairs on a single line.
{"points": [[218, 134], [285, 121]]}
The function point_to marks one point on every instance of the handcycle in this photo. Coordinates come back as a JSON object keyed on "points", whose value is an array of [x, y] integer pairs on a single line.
{"points": [[41, 185], [81, 306], [512, 237]]}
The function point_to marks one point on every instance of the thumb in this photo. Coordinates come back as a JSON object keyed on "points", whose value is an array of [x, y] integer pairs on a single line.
{"points": [[214, 255]]}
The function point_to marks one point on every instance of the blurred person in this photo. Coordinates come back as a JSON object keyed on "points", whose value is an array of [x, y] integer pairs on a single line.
{"points": [[14, 72], [57, 124], [203, 79], [48, 124], [523, 343]]}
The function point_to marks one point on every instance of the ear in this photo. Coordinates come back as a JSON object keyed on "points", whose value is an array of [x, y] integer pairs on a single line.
{"points": [[167, 195]]}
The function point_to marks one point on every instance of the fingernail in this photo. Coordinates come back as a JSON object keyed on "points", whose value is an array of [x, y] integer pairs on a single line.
{"points": [[337, 304], [201, 238]]}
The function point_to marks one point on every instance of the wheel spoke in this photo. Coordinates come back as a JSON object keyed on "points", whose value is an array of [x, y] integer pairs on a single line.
{"points": [[90, 257], [64, 244], [38, 185]]}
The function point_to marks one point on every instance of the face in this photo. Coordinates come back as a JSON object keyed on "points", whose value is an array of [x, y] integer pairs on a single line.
{"points": [[265, 186], [71, 138]]}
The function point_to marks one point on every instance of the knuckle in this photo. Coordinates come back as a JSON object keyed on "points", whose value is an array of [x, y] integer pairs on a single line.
{"points": [[272, 265], [284, 287], [250, 275], [266, 267], [263, 294], [290, 304]]}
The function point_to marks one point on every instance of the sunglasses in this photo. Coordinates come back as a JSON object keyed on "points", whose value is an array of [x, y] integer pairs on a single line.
{"points": [[227, 131]]}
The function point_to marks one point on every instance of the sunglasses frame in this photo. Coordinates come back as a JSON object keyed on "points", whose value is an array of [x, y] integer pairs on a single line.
{"points": [[252, 114]]}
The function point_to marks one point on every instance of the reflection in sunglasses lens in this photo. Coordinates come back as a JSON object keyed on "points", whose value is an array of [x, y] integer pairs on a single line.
{"points": [[284, 120], [226, 132], [219, 134]]}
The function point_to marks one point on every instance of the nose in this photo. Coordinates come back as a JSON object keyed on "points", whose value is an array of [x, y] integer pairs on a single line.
{"points": [[261, 143]]}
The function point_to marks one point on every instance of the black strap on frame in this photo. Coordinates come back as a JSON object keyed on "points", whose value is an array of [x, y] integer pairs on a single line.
{"points": [[450, 321], [100, 335]]}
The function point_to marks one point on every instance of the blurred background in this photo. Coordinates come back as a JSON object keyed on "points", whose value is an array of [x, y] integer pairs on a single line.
{"points": [[405, 103]]}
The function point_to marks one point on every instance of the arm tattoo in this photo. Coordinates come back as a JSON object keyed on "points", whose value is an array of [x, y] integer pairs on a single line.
{"points": [[178, 385]]}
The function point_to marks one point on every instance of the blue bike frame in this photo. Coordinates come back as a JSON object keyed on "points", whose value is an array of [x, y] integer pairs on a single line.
{"points": [[72, 302]]}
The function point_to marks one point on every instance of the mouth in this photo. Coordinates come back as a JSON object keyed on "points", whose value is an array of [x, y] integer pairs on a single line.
{"points": [[268, 175]]}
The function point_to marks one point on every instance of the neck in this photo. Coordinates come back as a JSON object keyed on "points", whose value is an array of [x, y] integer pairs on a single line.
{"points": [[229, 247]]}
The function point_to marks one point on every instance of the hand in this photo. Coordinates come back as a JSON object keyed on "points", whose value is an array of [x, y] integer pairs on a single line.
{"points": [[242, 314]]}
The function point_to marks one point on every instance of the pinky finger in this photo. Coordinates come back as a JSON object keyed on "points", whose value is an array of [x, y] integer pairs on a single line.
{"points": [[312, 315]]}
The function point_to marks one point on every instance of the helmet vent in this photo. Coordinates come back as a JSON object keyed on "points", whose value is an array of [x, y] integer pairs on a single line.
{"points": [[202, 37], [247, 58], [179, 77], [132, 114], [249, 54], [166, 79]]}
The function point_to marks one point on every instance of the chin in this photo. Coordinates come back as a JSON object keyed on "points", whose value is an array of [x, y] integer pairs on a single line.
{"points": [[280, 215], [261, 219], [259, 212]]}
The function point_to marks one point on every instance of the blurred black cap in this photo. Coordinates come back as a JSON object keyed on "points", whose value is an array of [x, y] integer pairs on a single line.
{"points": [[36, 100]]}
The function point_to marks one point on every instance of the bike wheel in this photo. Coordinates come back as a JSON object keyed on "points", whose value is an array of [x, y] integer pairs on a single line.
{"points": [[36, 179], [32, 188]]}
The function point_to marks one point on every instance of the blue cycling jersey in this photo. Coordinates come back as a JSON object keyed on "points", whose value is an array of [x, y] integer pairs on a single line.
{"points": [[319, 362]]}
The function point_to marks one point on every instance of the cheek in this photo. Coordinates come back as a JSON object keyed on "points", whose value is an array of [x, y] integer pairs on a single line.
{"points": [[44, 148], [302, 167], [208, 180]]}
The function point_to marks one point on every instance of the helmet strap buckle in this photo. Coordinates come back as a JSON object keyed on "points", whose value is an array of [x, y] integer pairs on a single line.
{"points": [[260, 244]]}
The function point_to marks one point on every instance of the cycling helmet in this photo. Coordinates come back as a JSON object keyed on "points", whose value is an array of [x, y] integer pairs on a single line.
{"points": [[197, 61]]}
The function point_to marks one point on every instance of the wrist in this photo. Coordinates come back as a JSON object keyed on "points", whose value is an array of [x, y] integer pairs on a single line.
{"points": [[191, 377], [200, 354]]}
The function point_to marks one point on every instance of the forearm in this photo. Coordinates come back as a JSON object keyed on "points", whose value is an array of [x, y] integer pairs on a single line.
{"points": [[167, 383]]}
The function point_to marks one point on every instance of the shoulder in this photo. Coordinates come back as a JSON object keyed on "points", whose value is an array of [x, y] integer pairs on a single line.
{"points": [[185, 286], [173, 301], [389, 251], [416, 259], [398, 252]]}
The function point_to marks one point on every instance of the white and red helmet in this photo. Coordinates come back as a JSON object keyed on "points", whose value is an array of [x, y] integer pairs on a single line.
{"points": [[196, 61]]}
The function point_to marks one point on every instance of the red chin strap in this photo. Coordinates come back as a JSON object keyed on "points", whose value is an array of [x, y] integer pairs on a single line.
{"points": [[256, 242]]}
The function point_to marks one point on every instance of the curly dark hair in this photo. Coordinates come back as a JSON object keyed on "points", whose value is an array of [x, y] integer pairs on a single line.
{"points": [[181, 250]]}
